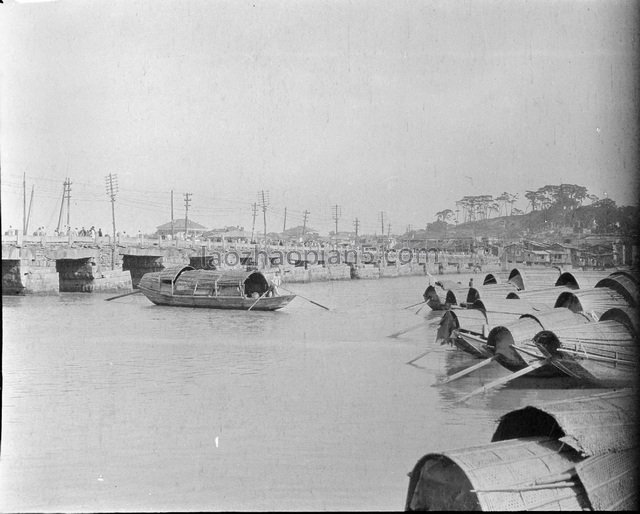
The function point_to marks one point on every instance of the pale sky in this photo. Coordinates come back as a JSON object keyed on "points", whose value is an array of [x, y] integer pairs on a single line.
{"points": [[395, 106]]}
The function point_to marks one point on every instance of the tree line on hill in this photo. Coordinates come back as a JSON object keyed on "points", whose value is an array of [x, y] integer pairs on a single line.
{"points": [[549, 206]]}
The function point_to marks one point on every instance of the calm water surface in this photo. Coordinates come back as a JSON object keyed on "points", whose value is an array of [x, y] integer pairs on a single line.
{"points": [[128, 406]]}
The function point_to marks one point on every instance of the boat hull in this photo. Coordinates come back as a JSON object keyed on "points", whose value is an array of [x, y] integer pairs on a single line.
{"points": [[270, 303]]}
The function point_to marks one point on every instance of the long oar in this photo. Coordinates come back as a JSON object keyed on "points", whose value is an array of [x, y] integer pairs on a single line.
{"points": [[409, 329], [418, 311], [504, 380], [259, 298], [305, 298], [465, 371], [414, 304], [122, 295], [421, 355]]}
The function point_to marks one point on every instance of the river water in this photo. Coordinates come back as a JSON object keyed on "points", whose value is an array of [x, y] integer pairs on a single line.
{"points": [[128, 406]]}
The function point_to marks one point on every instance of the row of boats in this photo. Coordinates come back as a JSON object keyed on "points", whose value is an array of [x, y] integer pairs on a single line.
{"points": [[545, 323], [572, 454]]}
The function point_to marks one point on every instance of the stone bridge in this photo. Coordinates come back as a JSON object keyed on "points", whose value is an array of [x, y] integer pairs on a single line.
{"points": [[49, 265]]}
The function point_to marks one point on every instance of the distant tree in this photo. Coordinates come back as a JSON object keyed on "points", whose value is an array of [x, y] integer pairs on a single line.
{"points": [[444, 215], [504, 200], [512, 200]]}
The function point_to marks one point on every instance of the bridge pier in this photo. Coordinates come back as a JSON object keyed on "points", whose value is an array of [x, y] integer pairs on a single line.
{"points": [[138, 261], [80, 272], [22, 273]]}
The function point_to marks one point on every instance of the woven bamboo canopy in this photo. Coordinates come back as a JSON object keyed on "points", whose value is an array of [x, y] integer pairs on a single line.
{"points": [[533, 278]]}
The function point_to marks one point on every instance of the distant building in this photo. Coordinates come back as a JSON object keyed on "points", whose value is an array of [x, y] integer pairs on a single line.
{"points": [[228, 234], [177, 228]]}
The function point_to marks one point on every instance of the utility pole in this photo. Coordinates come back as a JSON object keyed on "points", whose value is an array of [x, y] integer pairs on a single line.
{"points": [[337, 211], [26, 229], [66, 195], [64, 192], [187, 199], [356, 224], [68, 202], [264, 201], [304, 222], [284, 224], [382, 222], [24, 204], [253, 226], [112, 189], [172, 234]]}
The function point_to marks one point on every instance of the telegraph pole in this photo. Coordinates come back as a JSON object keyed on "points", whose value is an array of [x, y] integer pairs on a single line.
{"points": [[26, 228], [187, 199], [337, 211], [284, 224], [112, 189], [64, 192], [172, 234], [382, 222], [356, 224], [264, 201], [24, 204], [68, 202], [304, 222], [66, 195], [253, 226]]}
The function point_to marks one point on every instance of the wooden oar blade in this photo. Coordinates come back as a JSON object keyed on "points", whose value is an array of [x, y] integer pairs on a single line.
{"points": [[305, 298], [318, 304], [420, 356], [414, 304], [122, 295], [465, 371], [504, 380]]}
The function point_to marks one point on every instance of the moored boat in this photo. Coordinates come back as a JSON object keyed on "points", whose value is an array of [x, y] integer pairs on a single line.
{"points": [[184, 286], [572, 454]]}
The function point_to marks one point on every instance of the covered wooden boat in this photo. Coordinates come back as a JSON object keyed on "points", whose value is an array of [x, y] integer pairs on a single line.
{"points": [[546, 295], [435, 297], [575, 454], [492, 291], [468, 328], [531, 278], [591, 301], [522, 331], [600, 352], [497, 277], [184, 286], [625, 284], [466, 320], [605, 351], [580, 279]]}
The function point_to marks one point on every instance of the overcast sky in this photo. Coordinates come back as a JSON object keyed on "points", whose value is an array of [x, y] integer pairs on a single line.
{"points": [[395, 106]]}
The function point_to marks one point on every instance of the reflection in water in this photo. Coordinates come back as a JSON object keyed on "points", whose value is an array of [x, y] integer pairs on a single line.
{"points": [[125, 405]]}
